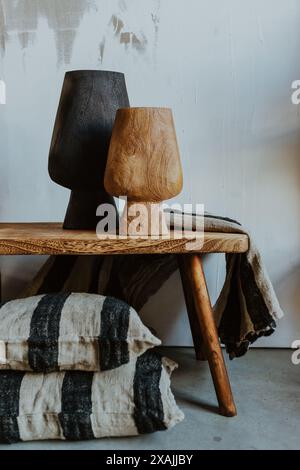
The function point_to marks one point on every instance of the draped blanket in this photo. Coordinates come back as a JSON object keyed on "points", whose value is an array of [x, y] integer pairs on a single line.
{"points": [[247, 307]]}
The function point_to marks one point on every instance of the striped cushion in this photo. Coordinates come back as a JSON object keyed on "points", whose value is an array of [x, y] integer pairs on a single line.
{"points": [[54, 332], [133, 399]]}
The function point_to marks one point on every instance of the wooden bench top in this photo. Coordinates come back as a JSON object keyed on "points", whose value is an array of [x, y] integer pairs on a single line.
{"points": [[51, 239]]}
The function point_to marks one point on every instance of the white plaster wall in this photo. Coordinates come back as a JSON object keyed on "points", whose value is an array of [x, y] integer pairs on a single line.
{"points": [[225, 67]]}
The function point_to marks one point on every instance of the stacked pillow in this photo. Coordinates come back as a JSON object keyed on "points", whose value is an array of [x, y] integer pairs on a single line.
{"points": [[80, 366]]}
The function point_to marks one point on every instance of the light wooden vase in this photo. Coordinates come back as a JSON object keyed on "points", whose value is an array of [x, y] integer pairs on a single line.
{"points": [[143, 165]]}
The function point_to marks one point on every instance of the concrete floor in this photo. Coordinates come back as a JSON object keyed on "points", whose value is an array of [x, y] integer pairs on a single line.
{"points": [[266, 387]]}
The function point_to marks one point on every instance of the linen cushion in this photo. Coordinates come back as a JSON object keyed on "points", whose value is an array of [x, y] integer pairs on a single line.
{"points": [[78, 331], [133, 399]]}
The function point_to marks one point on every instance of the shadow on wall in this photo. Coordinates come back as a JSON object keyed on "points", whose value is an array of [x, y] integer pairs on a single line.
{"points": [[4, 187], [288, 292], [163, 312], [22, 17]]}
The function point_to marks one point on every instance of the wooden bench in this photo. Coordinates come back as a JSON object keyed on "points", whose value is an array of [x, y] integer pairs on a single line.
{"points": [[51, 239]]}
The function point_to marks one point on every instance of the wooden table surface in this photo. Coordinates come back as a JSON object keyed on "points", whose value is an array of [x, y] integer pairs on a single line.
{"points": [[51, 239]]}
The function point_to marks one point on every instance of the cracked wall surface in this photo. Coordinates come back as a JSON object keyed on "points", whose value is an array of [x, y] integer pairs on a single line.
{"points": [[21, 18]]}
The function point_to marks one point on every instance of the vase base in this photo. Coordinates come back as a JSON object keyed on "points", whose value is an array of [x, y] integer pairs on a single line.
{"points": [[143, 219], [81, 211]]}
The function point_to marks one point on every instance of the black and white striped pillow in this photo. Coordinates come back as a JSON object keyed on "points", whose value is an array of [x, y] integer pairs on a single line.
{"points": [[133, 399], [54, 332]]}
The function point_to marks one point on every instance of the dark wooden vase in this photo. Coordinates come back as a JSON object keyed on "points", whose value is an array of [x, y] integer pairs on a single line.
{"points": [[80, 142]]}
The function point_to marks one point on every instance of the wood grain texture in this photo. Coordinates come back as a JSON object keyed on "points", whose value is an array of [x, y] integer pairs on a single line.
{"points": [[209, 334], [143, 218], [51, 239], [143, 161], [191, 308], [83, 126]]}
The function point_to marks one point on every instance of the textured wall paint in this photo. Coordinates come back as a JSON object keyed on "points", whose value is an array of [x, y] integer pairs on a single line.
{"points": [[21, 17], [225, 68]]}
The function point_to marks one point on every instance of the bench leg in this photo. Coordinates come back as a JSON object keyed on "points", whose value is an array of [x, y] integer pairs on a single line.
{"points": [[209, 334], [191, 310]]}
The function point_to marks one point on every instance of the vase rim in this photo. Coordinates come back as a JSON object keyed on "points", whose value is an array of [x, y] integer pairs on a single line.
{"points": [[93, 71], [135, 108]]}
